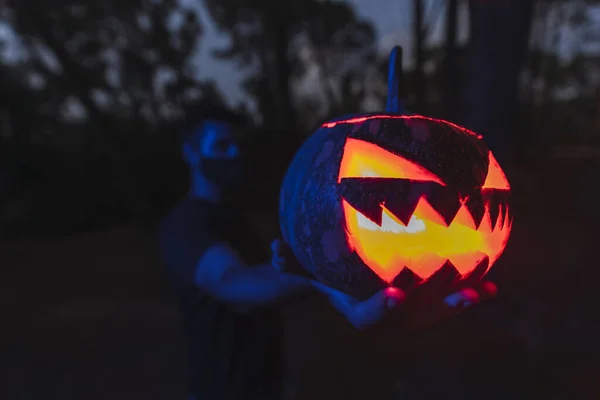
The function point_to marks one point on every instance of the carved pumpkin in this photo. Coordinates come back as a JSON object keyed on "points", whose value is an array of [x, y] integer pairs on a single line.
{"points": [[393, 199]]}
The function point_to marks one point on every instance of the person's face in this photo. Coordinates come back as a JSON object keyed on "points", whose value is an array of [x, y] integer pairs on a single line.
{"points": [[212, 140], [216, 154], [219, 141]]}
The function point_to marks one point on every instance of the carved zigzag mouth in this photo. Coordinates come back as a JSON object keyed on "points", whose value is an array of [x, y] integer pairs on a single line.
{"points": [[395, 224], [402, 197]]}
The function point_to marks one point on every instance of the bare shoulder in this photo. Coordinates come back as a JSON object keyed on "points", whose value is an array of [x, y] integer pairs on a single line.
{"points": [[216, 261]]}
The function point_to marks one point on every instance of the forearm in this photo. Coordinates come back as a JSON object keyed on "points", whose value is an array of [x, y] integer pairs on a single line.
{"points": [[259, 286]]}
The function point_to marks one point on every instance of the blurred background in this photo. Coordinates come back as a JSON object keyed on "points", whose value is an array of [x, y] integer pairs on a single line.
{"points": [[90, 96]]}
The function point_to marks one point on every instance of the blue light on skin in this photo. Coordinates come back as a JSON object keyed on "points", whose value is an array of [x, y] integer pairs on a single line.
{"points": [[215, 140]]}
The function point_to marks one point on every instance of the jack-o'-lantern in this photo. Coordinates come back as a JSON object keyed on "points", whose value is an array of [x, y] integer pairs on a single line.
{"points": [[394, 199]]}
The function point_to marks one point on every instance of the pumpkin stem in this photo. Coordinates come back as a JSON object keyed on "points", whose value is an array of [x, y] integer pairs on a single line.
{"points": [[395, 103]]}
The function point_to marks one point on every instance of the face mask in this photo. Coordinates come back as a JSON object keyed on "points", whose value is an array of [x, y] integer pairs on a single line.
{"points": [[226, 173]]}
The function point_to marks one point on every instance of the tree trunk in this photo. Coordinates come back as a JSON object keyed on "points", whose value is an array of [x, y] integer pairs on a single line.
{"points": [[451, 78], [498, 44], [420, 88], [284, 73]]}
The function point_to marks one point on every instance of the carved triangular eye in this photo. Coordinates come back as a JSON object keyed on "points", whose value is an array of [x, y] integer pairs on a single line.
{"points": [[496, 179], [363, 159]]}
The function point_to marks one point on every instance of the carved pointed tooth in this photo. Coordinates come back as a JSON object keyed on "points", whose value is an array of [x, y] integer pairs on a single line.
{"points": [[402, 206], [494, 209], [425, 267], [426, 211], [366, 197], [502, 215], [406, 279], [445, 202], [508, 218], [443, 279], [374, 213], [465, 264], [476, 274], [486, 224], [476, 207], [499, 222], [464, 217]]}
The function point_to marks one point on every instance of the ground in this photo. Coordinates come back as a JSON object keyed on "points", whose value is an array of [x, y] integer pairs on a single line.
{"points": [[89, 316]]}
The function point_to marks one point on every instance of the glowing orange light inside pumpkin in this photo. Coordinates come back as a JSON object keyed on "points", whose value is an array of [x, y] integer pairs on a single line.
{"points": [[426, 242], [495, 177], [364, 159]]}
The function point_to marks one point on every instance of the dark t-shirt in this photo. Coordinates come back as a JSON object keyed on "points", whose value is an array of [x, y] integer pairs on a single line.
{"points": [[231, 355]]}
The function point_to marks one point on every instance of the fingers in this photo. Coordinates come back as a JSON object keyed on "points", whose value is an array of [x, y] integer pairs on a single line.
{"points": [[278, 249], [362, 314], [386, 299], [395, 297], [372, 310], [469, 296], [465, 298], [489, 290]]}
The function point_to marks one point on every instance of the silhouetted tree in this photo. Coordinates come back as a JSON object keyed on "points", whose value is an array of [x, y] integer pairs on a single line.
{"points": [[451, 62], [559, 84], [419, 45], [124, 59], [285, 46], [129, 67]]}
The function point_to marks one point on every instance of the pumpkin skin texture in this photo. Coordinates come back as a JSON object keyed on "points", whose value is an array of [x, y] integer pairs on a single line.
{"points": [[384, 199]]}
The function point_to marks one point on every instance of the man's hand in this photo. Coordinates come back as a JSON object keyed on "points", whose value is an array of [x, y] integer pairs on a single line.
{"points": [[468, 297], [279, 252], [363, 314]]}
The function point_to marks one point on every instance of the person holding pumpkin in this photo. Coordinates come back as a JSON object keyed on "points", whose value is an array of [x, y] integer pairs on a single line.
{"points": [[227, 288]]}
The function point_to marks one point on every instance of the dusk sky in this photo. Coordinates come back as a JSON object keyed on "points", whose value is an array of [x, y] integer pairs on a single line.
{"points": [[392, 20]]}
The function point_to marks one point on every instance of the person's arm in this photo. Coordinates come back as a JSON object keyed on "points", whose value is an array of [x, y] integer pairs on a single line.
{"points": [[221, 273]]}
